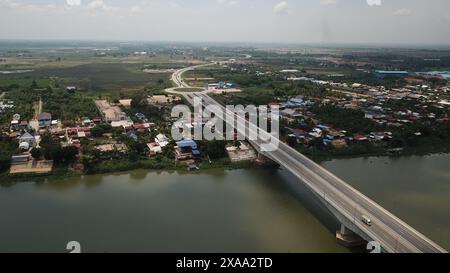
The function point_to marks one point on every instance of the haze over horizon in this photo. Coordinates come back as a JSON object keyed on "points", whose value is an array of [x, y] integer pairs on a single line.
{"points": [[272, 21]]}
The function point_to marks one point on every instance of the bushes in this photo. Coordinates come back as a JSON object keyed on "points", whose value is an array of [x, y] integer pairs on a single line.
{"points": [[52, 150], [100, 130], [214, 149], [65, 106], [36, 153], [7, 149], [351, 120], [125, 165]]}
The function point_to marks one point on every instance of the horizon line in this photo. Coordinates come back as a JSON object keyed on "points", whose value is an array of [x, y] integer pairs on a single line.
{"points": [[266, 43]]}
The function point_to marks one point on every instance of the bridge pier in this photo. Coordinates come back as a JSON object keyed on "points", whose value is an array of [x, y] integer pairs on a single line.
{"points": [[348, 238]]}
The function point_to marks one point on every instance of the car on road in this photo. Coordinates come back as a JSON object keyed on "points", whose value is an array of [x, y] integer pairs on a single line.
{"points": [[366, 220]]}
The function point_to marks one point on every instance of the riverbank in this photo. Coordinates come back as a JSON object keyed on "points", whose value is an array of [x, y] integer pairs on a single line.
{"points": [[317, 155], [320, 155], [364, 151], [114, 166]]}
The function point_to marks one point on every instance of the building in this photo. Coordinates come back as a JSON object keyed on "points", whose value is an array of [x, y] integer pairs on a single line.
{"points": [[154, 148], [125, 103], [23, 125], [390, 74], [162, 140], [221, 87], [71, 88], [186, 149], [110, 113], [127, 125], [45, 120], [20, 159], [132, 135], [114, 114], [29, 139]]}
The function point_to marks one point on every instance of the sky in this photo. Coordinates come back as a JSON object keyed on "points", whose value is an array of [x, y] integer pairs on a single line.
{"points": [[424, 22]]}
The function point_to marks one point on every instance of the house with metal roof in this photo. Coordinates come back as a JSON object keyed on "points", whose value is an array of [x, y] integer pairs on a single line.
{"points": [[186, 149], [45, 120], [27, 138]]}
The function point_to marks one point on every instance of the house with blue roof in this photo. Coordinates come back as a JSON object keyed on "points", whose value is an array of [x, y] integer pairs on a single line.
{"points": [[132, 134], [187, 149]]}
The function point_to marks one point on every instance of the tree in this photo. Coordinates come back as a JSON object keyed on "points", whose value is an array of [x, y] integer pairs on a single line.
{"points": [[97, 131], [291, 141], [36, 153], [7, 149], [69, 154], [214, 149]]}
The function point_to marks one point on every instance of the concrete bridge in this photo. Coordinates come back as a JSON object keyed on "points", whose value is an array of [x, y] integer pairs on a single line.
{"points": [[346, 203]]}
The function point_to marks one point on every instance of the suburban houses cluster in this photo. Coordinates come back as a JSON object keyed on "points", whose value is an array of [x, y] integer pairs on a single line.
{"points": [[108, 143], [424, 104]]}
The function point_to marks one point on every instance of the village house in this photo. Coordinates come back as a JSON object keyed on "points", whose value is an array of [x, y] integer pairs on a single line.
{"points": [[71, 88], [162, 140], [24, 163], [186, 149], [45, 120], [110, 113], [27, 141], [125, 103], [20, 159], [154, 148], [125, 124]]}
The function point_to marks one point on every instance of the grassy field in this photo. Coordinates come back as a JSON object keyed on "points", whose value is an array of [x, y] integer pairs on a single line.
{"points": [[90, 77]]}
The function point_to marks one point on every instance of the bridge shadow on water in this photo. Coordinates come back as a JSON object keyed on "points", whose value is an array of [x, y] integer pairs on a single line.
{"points": [[309, 200]]}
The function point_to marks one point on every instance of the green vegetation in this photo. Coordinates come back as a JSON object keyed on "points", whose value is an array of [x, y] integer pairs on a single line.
{"points": [[351, 120], [213, 149], [68, 106], [24, 101], [8, 148], [52, 150]]}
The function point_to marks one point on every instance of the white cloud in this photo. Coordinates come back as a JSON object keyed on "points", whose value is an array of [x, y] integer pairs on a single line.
{"points": [[228, 2], [73, 3], [328, 2], [402, 12], [100, 5], [374, 2], [281, 7]]}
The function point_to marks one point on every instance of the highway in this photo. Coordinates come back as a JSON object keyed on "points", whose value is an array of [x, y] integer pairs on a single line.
{"points": [[177, 77], [394, 235]]}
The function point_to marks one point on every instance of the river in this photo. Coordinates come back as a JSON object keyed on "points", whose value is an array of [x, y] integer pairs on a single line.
{"points": [[215, 211]]}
